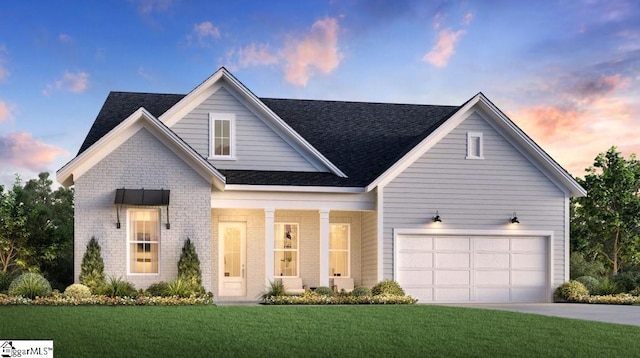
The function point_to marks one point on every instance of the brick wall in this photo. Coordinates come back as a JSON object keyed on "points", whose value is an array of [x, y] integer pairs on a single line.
{"points": [[143, 162]]}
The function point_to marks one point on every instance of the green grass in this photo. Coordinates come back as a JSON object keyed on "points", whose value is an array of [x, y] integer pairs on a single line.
{"points": [[283, 331]]}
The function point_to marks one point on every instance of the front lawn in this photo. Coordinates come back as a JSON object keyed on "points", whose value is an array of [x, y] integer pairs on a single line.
{"points": [[282, 331]]}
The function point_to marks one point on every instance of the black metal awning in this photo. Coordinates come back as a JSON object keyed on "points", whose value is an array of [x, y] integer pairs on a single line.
{"points": [[145, 197]]}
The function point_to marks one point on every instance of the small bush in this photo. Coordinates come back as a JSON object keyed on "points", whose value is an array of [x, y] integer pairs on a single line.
{"points": [[92, 267], [635, 292], [580, 266], [570, 291], [387, 287], [183, 288], [608, 287], [324, 291], [189, 264], [30, 285], [77, 290], [591, 283], [160, 289], [274, 289], [117, 287], [5, 281], [627, 281], [361, 291]]}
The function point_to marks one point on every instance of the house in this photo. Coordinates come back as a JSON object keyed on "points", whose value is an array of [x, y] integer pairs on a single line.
{"points": [[455, 203]]}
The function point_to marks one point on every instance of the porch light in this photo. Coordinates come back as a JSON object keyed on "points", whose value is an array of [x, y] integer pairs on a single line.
{"points": [[436, 219], [514, 219]]}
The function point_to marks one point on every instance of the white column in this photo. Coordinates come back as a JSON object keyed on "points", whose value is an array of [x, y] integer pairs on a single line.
{"points": [[269, 232], [324, 247]]}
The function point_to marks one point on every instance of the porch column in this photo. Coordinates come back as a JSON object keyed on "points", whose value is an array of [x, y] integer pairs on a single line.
{"points": [[269, 232], [324, 247]]}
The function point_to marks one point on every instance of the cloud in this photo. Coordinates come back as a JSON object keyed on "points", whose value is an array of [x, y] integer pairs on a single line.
{"points": [[72, 82], [202, 33], [5, 112], [21, 150], [146, 7], [144, 73], [317, 50], [65, 38], [589, 89], [444, 48], [256, 55], [468, 18]]}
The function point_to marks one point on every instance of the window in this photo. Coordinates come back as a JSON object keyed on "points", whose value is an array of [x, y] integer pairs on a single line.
{"points": [[286, 250], [339, 247], [144, 237], [474, 145], [222, 127]]}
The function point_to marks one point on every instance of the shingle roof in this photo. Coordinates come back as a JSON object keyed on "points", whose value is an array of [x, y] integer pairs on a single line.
{"points": [[362, 139]]}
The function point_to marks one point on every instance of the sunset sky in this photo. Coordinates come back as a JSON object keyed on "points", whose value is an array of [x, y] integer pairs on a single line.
{"points": [[567, 72]]}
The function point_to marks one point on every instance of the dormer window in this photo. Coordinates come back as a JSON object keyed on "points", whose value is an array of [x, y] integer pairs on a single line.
{"points": [[474, 145], [222, 135]]}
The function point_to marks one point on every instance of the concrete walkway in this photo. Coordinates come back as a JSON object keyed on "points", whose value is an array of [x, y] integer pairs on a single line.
{"points": [[620, 314]]}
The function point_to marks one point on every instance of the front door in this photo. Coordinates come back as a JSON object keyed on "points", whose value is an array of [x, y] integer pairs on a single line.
{"points": [[232, 241]]}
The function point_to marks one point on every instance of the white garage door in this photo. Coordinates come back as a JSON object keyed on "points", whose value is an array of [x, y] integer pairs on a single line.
{"points": [[478, 269]]}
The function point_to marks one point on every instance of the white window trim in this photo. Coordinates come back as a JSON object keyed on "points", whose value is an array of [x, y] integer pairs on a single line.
{"points": [[470, 154], [348, 250], [297, 250], [231, 117], [129, 272]]}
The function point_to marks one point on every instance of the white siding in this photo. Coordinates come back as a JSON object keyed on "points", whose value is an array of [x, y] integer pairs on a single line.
{"points": [[474, 194], [258, 147], [142, 162]]}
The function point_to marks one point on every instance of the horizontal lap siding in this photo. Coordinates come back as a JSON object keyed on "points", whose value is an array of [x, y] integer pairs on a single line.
{"points": [[474, 194], [258, 147]]}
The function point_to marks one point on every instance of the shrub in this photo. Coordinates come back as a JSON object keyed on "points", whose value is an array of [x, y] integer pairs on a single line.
{"points": [[635, 292], [189, 264], [580, 266], [5, 280], [30, 285], [627, 281], [274, 289], [387, 287], [77, 290], [591, 283], [160, 289], [324, 291], [117, 287], [360, 291], [570, 291], [608, 287], [182, 288], [92, 267]]}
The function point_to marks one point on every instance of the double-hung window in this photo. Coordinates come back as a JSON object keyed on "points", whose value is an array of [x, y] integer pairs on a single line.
{"points": [[222, 135], [339, 249], [286, 263], [144, 239]]}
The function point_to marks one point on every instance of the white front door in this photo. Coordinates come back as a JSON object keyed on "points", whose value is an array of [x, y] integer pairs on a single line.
{"points": [[232, 257]]}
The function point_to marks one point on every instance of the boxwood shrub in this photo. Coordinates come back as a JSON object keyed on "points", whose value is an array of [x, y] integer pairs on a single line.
{"points": [[570, 291], [387, 287]]}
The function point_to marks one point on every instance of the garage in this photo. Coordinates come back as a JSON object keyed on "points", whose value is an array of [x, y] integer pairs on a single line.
{"points": [[473, 268]]}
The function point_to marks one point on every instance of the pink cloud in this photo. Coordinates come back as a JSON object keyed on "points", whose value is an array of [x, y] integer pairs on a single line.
{"points": [[72, 82], [468, 17], [206, 29], [318, 49], [256, 55], [444, 48], [5, 112], [21, 150]]}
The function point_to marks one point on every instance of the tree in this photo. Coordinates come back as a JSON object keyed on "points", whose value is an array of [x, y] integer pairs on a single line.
{"points": [[92, 267], [606, 222], [14, 248], [189, 264]]}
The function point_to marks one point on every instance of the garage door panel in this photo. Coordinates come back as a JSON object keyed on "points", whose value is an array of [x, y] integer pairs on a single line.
{"points": [[492, 260], [452, 294], [529, 278], [449, 277], [493, 278], [529, 244], [528, 295], [522, 260], [416, 277], [453, 260], [452, 243], [422, 294], [491, 244], [411, 260], [493, 294], [417, 243]]}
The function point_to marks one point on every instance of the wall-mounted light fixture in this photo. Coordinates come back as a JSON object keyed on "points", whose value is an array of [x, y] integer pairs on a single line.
{"points": [[436, 219], [514, 219]]}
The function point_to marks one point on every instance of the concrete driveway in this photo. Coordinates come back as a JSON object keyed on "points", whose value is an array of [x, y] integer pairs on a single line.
{"points": [[620, 314]]}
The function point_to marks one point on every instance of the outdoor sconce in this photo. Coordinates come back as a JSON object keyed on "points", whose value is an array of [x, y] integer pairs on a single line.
{"points": [[436, 219], [514, 219]]}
